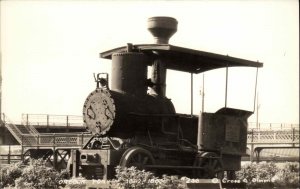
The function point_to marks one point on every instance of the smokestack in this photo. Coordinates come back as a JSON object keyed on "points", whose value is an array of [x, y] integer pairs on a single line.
{"points": [[162, 28]]}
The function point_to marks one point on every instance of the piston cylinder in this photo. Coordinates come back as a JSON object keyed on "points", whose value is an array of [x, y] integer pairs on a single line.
{"points": [[129, 73]]}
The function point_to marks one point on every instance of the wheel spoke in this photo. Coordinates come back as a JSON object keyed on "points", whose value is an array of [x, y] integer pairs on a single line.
{"points": [[145, 160], [210, 163], [139, 158], [214, 165], [218, 169]]}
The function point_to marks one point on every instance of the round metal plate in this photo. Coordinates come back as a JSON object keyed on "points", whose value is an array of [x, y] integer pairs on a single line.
{"points": [[99, 111]]}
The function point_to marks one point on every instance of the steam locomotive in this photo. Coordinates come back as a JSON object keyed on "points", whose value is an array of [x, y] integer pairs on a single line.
{"points": [[133, 123]]}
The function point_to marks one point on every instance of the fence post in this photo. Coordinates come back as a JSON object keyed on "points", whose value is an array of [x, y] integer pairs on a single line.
{"points": [[55, 154], [22, 150], [47, 126], [251, 152], [293, 136], [47, 120], [74, 162], [54, 139], [67, 123], [27, 119], [8, 157], [81, 139]]}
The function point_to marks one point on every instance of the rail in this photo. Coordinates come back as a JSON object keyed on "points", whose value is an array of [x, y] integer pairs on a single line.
{"points": [[80, 139], [76, 120], [10, 158], [56, 140], [18, 131], [274, 134], [290, 136], [272, 126], [52, 120]]}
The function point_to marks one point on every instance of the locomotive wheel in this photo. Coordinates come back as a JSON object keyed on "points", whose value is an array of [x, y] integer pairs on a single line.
{"points": [[212, 166], [137, 157]]}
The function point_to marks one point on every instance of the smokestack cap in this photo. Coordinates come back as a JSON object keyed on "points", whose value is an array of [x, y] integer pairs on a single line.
{"points": [[162, 28]]}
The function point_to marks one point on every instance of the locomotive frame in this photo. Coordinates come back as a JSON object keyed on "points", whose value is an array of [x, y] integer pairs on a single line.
{"points": [[131, 127]]}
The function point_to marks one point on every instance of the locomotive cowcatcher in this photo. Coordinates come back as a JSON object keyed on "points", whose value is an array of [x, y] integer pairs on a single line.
{"points": [[133, 123]]}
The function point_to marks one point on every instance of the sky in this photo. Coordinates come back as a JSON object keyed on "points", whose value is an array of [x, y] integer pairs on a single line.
{"points": [[50, 50]]}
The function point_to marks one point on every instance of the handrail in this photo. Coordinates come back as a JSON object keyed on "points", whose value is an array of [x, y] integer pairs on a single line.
{"points": [[52, 120], [79, 139], [10, 158], [12, 128], [255, 135], [76, 120], [290, 136], [56, 139], [272, 126]]}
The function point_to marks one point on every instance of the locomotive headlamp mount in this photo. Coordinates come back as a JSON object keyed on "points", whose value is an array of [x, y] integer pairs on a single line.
{"points": [[103, 81]]}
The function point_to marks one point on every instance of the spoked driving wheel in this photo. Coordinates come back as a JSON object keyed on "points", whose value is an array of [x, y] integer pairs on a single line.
{"points": [[137, 157], [211, 166]]}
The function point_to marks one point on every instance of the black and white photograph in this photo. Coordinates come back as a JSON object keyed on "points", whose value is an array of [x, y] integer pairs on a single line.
{"points": [[157, 94]]}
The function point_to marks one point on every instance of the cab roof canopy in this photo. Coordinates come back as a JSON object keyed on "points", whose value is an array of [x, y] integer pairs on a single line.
{"points": [[184, 59]]}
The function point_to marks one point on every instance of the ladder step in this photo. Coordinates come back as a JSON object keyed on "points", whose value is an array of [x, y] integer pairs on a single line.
{"points": [[17, 132], [99, 173]]}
